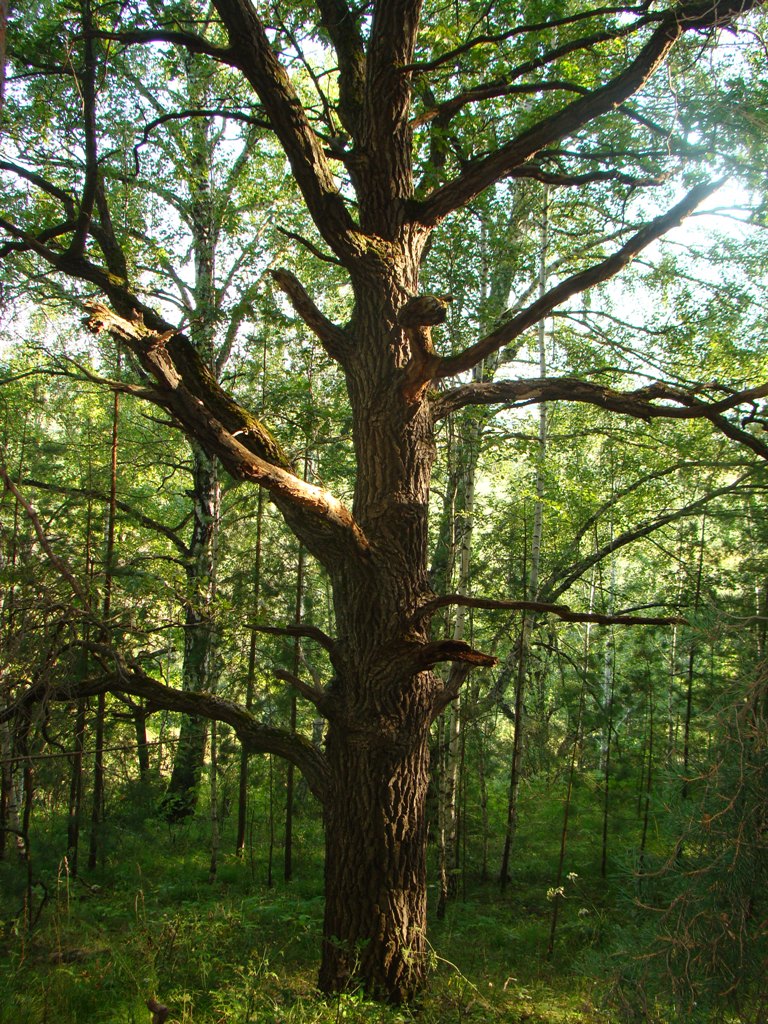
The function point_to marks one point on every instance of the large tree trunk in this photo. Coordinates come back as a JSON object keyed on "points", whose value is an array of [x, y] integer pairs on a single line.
{"points": [[381, 707], [375, 864]]}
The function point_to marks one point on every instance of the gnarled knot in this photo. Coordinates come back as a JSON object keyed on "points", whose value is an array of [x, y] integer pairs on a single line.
{"points": [[424, 311]]}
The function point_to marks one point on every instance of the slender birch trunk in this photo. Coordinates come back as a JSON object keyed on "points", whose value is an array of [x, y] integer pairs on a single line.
{"points": [[690, 674], [200, 664], [527, 622], [97, 811], [557, 889], [242, 798]]}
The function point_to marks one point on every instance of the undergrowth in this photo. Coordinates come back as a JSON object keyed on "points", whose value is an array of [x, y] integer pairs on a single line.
{"points": [[147, 923]]}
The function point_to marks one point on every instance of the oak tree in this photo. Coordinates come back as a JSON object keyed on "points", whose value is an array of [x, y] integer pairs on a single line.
{"points": [[395, 117]]}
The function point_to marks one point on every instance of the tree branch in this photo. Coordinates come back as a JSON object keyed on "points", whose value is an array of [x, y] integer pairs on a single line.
{"points": [[313, 694], [450, 689], [310, 632], [43, 184], [562, 611], [188, 40], [451, 650], [342, 27], [140, 517], [486, 171], [596, 274], [127, 676], [58, 563], [309, 246], [640, 404], [332, 337], [255, 57], [561, 581], [547, 588], [445, 110], [180, 115], [190, 392], [87, 90], [385, 140], [501, 37], [561, 178]]}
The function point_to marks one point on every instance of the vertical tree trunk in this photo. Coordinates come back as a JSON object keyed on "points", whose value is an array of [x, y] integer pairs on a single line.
{"points": [[10, 817], [672, 696], [648, 788], [557, 888], [606, 752], [448, 818], [215, 826], [139, 716], [271, 825], [517, 755], [76, 776], [452, 557], [298, 615], [76, 790], [690, 671], [97, 813], [199, 668], [242, 789], [28, 789], [526, 626], [11, 631], [609, 681], [483, 783], [375, 863]]}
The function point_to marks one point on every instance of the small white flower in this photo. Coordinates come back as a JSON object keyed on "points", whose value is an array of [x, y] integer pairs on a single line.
{"points": [[572, 876]]}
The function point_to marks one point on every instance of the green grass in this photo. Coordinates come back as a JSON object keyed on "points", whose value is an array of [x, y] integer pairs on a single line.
{"points": [[229, 953], [148, 923]]}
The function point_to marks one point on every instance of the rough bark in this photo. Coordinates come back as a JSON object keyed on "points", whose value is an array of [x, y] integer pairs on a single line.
{"points": [[375, 865]]}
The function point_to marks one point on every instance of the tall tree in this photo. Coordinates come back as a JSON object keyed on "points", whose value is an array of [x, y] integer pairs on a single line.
{"points": [[421, 117]]}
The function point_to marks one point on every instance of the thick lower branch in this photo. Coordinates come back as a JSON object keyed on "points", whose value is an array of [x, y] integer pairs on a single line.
{"points": [[657, 401], [124, 676], [248, 451]]}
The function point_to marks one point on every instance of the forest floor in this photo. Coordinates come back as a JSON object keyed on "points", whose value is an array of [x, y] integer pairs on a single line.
{"points": [[148, 923], [213, 953]]}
